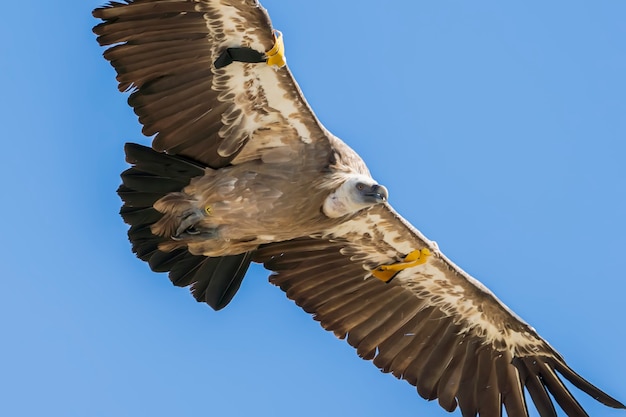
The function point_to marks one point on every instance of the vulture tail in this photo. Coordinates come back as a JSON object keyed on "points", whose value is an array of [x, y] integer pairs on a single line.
{"points": [[151, 176]]}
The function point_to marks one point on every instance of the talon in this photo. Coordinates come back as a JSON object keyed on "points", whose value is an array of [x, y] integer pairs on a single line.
{"points": [[209, 233], [189, 229], [189, 219], [195, 234]]}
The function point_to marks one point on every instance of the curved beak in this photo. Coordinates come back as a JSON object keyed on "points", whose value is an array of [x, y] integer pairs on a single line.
{"points": [[378, 193]]}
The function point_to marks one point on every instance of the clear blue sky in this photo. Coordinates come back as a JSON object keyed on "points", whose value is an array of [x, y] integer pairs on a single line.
{"points": [[498, 127]]}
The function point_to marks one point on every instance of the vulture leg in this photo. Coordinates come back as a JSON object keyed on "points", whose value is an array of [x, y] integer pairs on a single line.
{"points": [[189, 229]]}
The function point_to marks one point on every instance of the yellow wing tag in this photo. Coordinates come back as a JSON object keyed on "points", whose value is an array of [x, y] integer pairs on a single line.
{"points": [[385, 273], [276, 55]]}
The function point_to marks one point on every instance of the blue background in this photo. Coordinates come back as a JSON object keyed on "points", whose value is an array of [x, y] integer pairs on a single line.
{"points": [[498, 127]]}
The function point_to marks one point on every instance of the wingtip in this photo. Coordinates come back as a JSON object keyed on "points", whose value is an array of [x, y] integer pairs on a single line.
{"points": [[586, 386]]}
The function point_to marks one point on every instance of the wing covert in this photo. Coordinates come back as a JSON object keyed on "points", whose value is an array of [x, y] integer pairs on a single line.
{"points": [[164, 53], [433, 325]]}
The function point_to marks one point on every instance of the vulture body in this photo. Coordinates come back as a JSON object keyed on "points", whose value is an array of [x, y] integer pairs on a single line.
{"points": [[241, 170]]}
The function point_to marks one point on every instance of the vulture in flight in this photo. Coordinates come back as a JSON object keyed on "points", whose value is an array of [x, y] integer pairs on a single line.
{"points": [[241, 170]]}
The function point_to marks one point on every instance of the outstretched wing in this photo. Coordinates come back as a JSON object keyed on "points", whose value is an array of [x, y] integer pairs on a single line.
{"points": [[432, 324], [165, 53]]}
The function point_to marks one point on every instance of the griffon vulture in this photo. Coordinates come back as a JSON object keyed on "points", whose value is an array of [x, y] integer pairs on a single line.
{"points": [[242, 171]]}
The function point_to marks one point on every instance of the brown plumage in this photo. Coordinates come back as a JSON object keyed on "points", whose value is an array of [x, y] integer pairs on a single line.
{"points": [[241, 170]]}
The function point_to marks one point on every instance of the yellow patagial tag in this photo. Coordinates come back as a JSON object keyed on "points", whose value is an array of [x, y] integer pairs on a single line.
{"points": [[276, 55], [386, 272]]}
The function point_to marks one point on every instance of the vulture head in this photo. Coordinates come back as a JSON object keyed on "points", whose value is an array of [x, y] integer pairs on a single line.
{"points": [[354, 194]]}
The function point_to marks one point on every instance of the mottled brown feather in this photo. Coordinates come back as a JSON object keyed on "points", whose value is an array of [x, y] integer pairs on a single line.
{"points": [[407, 336], [434, 326], [487, 395], [375, 317], [394, 344], [466, 394], [429, 337], [510, 386], [389, 320], [433, 360], [165, 50], [451, 378]]}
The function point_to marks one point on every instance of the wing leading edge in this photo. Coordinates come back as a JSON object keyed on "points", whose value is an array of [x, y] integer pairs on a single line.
{"points": [[433, 325]]}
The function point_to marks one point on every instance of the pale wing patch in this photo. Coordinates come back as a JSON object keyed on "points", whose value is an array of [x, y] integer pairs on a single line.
{"points": [[381, 243], [257, 89], [260, 100], [281, 100], [234, 26], [378, 239], [241, 120], [259, 108], [427, 281]]}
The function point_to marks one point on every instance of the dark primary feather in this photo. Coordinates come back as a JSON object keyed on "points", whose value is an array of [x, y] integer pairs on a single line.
{"points": [[163, 52], [416, 341]]}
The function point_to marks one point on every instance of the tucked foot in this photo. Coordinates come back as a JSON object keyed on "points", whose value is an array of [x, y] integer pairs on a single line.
{"points": [[196, 233], [189, 229]]}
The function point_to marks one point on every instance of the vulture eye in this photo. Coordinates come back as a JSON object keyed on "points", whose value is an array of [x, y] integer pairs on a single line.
{"points": [[360, 186]]}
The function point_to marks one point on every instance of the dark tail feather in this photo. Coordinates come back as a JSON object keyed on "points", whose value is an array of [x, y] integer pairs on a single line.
{"points": [[153, 175]]}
